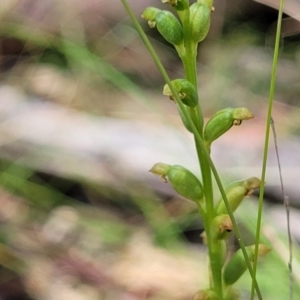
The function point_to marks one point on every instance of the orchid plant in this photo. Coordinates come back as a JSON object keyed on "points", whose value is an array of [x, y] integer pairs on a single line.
{"points": [[185, 29]]}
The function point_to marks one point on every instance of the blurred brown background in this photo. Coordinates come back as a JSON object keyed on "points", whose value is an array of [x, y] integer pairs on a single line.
{"points": [[82, 122]]}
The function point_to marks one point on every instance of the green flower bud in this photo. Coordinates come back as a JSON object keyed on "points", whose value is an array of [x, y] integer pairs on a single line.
{"points": [[185, 183], [149, 14], [205, 295], [223, 120], [236, 266], [240, 114], [236, 192], [169, 27], [218, 124], [221, 227], [250, 184], [185, 90], [200, 21], [235, 195], [161, 170]]}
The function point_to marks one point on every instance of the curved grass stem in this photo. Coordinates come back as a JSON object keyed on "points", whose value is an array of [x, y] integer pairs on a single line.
{"points": [[266, 144]]}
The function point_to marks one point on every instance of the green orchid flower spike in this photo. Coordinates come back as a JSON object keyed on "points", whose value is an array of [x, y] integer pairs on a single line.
{"points": [[185, 26]]}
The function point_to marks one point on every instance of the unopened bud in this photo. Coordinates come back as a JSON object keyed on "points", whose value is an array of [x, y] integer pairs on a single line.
{"points": [[185, 90], [223, 120], [241, 114], [236, 192], [262, 250], [149, 14], [161, 170], [169, 27], [250, 184], [185, 183], [236, 266], [200, 21], [221, 227], [218, 124]]}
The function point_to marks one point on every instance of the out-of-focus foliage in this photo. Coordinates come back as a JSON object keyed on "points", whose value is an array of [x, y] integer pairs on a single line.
{"points": [[80, 127]]}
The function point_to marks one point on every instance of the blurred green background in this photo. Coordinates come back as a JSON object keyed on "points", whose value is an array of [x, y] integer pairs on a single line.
{"points": [[83, 120]]}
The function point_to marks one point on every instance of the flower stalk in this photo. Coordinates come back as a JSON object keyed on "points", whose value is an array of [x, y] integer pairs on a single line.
{"points": [[185, 31]]}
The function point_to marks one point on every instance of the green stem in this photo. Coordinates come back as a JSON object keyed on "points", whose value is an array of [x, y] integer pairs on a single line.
{"points": [[204, 157], [190, 63], [266, 145], [189, 56]]}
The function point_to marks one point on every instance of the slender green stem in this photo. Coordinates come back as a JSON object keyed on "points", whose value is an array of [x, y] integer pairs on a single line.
{"points": [[216, 270], [266, 145], [188, 57]]}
